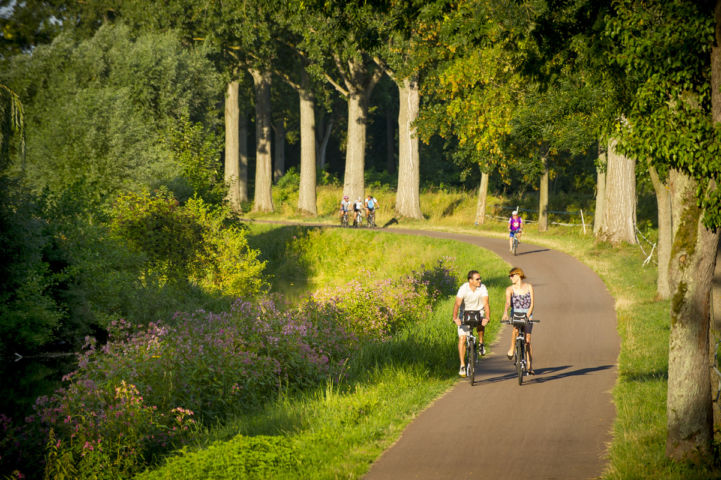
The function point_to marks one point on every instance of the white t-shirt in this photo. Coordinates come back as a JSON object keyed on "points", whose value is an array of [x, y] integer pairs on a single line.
{"points": [[472, 299]]}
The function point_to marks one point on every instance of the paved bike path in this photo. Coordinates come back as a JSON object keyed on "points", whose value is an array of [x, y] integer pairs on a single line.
{"points": [[557, 425]]}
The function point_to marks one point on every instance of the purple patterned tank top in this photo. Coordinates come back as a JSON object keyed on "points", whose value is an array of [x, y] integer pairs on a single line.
{"points": [[521, 302]]}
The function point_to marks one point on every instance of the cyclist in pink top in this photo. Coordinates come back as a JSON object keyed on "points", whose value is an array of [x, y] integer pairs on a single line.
{"points": [[515, 224]]}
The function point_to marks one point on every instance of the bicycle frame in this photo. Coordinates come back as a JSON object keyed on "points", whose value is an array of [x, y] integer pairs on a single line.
{"points": [[516, 241], [471, 349], [471, 345], [520, 321]]}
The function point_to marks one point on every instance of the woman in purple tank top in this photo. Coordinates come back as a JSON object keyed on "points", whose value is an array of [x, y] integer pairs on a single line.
{"points": [[519, 298]]}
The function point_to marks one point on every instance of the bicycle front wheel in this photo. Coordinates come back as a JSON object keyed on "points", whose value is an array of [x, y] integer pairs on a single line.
{"points": [[520, 358], [472, 362], [515, 246]]}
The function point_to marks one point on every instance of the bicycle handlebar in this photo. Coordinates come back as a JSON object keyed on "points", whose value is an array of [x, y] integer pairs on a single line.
{"points": [[510, 322]]}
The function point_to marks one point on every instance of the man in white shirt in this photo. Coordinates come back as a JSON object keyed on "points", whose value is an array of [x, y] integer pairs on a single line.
{"points": [[473, 296]]}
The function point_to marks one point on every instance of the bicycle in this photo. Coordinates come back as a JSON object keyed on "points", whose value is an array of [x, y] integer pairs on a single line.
{"points": [[516, 241], [471, 348], [371, 219], [519, 321], [358, 220], [344, 219]]}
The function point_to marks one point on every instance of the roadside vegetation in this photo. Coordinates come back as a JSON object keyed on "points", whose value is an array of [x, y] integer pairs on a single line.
{"points": [[638, 447], [307, 416]]}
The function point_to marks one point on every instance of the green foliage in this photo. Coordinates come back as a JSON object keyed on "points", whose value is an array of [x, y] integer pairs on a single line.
{"points": [[229, 266], [12, 123], [97, 110], [159, 228], [474, 84], [196, 149], [28, 312], [191, 242], [664, 49]]}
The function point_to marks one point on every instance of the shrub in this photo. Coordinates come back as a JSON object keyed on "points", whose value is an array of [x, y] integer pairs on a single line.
{"points": [[227, 265], [193, 242]]}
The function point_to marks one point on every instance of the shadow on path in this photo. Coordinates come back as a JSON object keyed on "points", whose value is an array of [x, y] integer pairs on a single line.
{"points": [[539, 378], [504, 373], [534, 251]]}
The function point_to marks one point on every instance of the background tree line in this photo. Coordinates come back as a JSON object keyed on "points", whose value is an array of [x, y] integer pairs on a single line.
{"points": [[124, 98]]}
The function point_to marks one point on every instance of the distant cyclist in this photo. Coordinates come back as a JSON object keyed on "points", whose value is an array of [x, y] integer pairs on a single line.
{"points": [[371, 204], [473, 295], [515, 226], [344, 207], [520, 299], [358, 211]]}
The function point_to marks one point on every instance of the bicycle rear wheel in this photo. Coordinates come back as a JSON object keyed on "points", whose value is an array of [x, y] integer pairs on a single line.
{"points": [[520, 357], [471, 350]]}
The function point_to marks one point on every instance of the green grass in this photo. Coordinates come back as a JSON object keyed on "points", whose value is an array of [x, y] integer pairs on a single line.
{"points": [[304, 259], [338, 430]]}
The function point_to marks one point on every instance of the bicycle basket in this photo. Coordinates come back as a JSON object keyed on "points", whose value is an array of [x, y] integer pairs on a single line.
{"points": [[472, 318], [519, 320]]}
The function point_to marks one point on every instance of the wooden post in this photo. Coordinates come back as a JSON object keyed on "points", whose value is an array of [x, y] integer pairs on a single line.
{"points": [[583, 222]]}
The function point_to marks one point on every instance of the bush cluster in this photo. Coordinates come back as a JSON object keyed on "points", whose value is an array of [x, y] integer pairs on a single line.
{"points": [[149, 388], [193, 242]]}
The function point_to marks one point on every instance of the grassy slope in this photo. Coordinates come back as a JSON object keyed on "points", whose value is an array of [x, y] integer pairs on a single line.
{"points": [[338, 430]]}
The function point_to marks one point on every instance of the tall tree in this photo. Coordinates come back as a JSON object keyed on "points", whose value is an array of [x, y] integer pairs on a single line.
{"points": [[402, 57], [339, 39], [295, 74], [232, 146], [473, 83], [670, 54]]}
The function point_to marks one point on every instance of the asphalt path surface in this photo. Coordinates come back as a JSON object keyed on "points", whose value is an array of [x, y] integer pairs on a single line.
{"points": [[557, 425]]}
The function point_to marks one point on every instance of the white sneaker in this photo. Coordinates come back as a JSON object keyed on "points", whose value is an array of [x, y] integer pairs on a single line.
{"points": [[482, 349], [462, 371]]}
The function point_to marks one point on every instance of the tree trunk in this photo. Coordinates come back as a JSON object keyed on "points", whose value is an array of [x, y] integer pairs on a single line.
{"points": [[688, 402], [353, 177], [263, 199], [482, 195], [360, 86], [678, 184], [408, 202], [543, 198], [306, 191], [599, 214], [232, 151], [279, 163], [619, 223], [688, 405], [243, 155], [390, 143], [665, 233], [321, 144]]}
